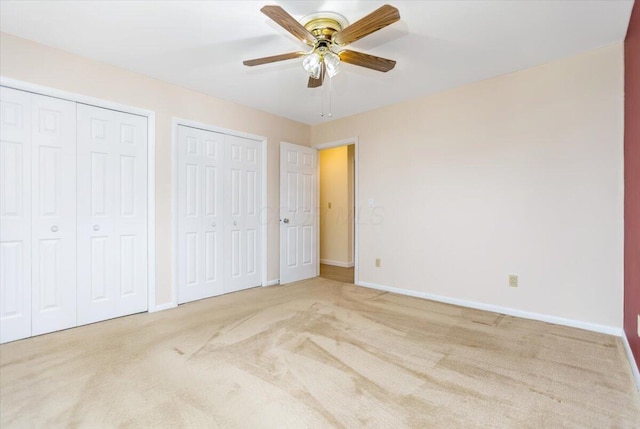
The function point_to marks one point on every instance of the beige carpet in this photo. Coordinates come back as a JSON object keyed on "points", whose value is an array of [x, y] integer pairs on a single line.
{"points": [[318, 354]]}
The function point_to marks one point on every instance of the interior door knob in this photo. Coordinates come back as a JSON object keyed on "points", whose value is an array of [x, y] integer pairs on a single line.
{"points": [[96, 227], [213, 224], [54, 228], [285, 220], [235, 223]]}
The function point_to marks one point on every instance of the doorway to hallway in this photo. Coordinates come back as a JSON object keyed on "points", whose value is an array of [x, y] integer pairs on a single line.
{"points": [[337, 212]]}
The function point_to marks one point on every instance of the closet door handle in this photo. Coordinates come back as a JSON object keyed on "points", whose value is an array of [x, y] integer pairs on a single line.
{"points": [[54, 228], [96, 227]]}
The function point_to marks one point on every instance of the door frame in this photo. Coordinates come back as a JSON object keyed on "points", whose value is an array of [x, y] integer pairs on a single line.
{"points": [[174, 196], [356, 192], [151, 163]]}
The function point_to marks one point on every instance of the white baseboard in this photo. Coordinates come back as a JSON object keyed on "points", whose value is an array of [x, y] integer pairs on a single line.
{"points": [[604, 329], [632, 361], [162, 307], [272, 282], [336, 263]]}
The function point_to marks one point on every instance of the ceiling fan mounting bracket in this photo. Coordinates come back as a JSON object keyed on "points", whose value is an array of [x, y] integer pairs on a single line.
{"points": [[323, 25]]}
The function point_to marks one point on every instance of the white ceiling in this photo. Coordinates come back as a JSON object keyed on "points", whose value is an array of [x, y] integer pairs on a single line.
{"points": [[201, 44]]}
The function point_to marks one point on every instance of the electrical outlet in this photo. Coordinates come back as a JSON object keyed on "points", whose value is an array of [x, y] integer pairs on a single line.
{"points": [[378, 262], [513, 280]]}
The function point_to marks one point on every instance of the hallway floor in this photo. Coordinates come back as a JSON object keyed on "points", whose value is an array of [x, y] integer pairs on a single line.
{"points": [[340, 274]]}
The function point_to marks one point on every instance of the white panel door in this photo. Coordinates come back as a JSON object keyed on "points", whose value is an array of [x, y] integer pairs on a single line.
{"points": [[242, 238], [112, 214], [15, 214], [53, 214], [200, 226], [298, 213]]}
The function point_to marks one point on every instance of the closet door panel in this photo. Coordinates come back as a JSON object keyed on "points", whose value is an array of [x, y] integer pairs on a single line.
{"points": [[200, 157], [15, 214], [131, 216], [53, 214], [112, 214], [242, 217], [96, 214], [213, 159], [190, 195]]}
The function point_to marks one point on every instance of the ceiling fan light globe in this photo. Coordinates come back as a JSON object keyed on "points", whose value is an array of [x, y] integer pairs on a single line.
{"points": [[315, 73], [311, 62], [332, 61]]}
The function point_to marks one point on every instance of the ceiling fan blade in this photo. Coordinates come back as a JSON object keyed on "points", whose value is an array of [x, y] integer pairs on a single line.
{"points": [[366, 60], [289, 23], [379, 18], [316, 83], [272, 59]]}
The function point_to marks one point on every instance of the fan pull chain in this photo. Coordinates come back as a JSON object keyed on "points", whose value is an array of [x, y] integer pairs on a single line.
{"points": [[322, 101], [323, 96], [330, 91]]}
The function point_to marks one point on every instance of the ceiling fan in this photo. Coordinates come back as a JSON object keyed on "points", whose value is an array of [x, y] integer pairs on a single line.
{"points": [[327, 33]]}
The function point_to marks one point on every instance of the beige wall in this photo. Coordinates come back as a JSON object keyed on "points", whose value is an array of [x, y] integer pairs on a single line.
{"points": [[336, 224], [520, 174], [35, 63]]}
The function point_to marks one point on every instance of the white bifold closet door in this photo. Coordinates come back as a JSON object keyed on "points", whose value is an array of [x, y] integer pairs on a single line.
{"points": [[73, 214], [200, 227], [242, 213], [111, 214], [53, 208], [15, 215], [37, 211], [219, 199]]}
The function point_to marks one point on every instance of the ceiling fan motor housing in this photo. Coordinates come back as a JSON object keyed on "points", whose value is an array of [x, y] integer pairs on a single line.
{"points": [[323, 25], [323, 28]]}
